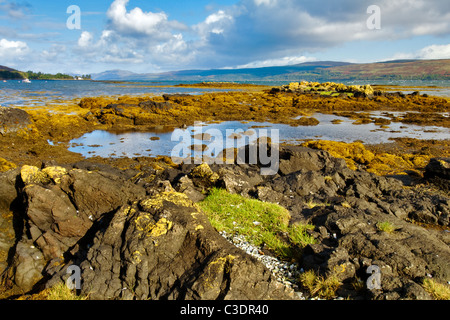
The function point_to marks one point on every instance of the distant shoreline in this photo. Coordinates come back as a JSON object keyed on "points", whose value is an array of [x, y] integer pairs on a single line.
{"points": [[47, 80]]}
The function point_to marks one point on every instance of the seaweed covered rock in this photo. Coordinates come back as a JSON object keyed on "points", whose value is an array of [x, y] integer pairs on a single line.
{"points": [[13, 120]]}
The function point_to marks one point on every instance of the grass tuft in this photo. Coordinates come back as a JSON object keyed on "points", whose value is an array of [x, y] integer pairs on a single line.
{"points": [[385, 226], [62, 292], [260, 222], [437, 290], [318, 286]]}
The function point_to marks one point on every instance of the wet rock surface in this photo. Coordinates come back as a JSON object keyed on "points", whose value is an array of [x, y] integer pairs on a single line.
{"points": [[138, 234]]}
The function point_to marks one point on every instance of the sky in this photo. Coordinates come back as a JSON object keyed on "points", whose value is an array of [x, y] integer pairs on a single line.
{"points": [[152, 36]]}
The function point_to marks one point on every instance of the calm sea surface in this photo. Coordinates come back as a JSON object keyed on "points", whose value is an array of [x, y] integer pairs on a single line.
{"points": [[42, 92]]}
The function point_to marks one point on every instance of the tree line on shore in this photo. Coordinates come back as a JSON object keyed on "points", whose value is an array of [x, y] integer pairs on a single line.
{"points": [[11, 74], [58, 76]]}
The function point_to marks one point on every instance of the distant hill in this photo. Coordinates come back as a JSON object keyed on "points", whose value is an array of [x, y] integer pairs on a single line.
{"points": [[245, 74], [10, 74], [400, 69], [117, 75], [311, 71], [7, 73]]}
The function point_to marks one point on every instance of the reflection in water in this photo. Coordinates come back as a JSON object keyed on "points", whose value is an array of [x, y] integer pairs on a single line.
{"points": [[159, 141]]}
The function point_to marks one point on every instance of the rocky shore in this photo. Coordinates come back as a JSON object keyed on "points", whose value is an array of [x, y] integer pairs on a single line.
{"points": [[136, 230], [137, 234]]}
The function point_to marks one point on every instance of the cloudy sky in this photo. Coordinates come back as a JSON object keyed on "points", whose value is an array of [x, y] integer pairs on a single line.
{"points": [[164, 35]]}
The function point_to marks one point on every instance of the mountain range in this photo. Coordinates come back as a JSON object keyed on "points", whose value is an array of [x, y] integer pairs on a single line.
{"points": [[310, 71]]}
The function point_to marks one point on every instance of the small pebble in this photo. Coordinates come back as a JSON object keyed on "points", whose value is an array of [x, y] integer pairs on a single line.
{"points": [[285, 272]]}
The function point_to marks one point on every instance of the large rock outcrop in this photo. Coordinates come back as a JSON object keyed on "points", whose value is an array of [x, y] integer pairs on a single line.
{"points": [[140, 235], [163, 247], [131, 241]]}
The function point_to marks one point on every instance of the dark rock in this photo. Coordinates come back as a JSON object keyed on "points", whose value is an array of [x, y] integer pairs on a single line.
{"points": [[438, 167], [54, 223], [152, 106], [119, 108], [13, 120], [9, 205], [274, 91], [406, 255], [96, 193], [129, 245], [164, 248], [145, 240], [414, 291], [8, 192], [239, 179], [329, 260], [177, 97], [293, 159], [186, 186], [27, 266], [359, 94], [61, 206]]}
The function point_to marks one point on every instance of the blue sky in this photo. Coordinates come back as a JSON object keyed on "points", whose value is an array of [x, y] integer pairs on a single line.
{"points": [[166, 35]]}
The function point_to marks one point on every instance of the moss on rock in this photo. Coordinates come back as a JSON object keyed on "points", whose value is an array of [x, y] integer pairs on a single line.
{"points": [[33, 175], [157, 201], [353, 153], [5, 165]]}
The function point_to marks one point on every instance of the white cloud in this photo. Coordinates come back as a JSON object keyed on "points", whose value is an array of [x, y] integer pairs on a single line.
{"points": [[215, 23], [277, 62], [430, 52], [15, 10], [431, 28], [139, 23], [53, 53], [134, 37], [435, 52], [176, 44], [85, 39], [252, 33], [266, 2], [11, 51]]}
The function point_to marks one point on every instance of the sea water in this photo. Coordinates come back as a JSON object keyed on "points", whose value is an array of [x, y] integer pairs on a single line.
{"points": [[153, 143], [156, 142]]}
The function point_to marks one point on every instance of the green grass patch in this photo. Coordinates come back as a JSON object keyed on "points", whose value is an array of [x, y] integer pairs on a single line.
{"points": [[437, 290], [385, 226], [61, 292], [318, 286], [260, 222]]}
